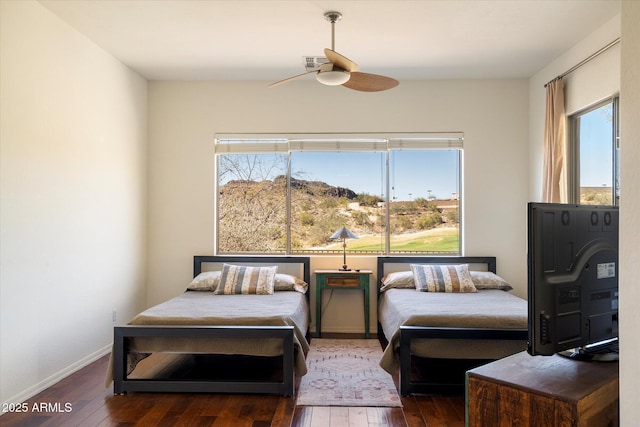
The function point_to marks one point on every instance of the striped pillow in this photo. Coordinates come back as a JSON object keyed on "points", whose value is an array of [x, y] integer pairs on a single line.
{"points": [[443, 278], [240, 279]]}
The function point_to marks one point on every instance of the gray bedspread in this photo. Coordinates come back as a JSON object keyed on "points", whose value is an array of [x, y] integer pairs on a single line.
{"points": [[205, 308], [484, 309]]}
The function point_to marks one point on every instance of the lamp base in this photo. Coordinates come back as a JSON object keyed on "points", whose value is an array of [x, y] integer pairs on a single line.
{"points": [[344, 268]]}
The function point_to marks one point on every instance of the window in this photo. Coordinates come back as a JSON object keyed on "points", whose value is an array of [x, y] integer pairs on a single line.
{"points": [[251, 203], [288, 194], [424, 207], [594, 159], [330, 190]]}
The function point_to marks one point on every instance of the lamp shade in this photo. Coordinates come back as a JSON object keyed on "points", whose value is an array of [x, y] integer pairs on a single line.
{"points": [[343, 233]]}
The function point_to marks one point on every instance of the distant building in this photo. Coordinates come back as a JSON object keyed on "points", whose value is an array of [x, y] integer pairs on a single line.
{"points": [[455, 196]]}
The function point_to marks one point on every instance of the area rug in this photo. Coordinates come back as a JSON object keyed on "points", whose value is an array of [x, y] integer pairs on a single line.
{"points": [[345, 372]]}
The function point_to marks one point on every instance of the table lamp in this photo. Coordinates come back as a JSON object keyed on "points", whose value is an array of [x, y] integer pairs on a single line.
{"points": [[344, 233]]}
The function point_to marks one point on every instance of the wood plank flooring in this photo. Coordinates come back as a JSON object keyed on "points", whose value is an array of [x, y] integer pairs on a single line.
{"points": [[82, 400]]}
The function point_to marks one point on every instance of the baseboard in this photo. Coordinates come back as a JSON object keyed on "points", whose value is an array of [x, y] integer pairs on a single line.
{"points": [[344, 335], [53, 379], [341, 330]]}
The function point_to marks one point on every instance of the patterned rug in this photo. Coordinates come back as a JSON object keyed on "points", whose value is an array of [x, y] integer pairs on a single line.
{"points": [[345, 372]]}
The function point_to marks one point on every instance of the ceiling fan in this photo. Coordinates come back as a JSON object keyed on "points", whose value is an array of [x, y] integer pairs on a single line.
{"points": [[340, 70]]}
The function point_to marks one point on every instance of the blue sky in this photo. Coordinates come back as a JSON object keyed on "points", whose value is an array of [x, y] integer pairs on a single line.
{"points": [[596, 159], [414, 173]]}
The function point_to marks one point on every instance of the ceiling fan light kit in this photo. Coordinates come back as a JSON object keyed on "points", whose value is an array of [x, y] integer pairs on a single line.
{"points": [[340, 70], [333, 77]]}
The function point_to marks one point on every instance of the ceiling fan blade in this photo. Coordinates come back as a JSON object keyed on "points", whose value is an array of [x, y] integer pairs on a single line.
{"points": [[341, 61], [366, 82], [292, 78]]}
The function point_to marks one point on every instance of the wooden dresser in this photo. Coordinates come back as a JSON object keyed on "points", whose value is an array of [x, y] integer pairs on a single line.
{"points": [[524, 390]]}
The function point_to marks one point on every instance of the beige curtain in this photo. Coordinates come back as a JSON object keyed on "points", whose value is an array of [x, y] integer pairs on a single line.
{"points": [[554, 176]]}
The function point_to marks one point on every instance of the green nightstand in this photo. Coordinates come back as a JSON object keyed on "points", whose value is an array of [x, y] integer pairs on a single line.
{"points": [[338, 279]]}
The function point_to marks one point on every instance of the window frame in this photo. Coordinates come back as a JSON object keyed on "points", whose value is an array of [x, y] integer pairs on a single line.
{"points": [[573, 178], [287, 144]]}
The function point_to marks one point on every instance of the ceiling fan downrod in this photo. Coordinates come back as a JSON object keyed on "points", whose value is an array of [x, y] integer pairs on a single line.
{"points": [[333, 17]]}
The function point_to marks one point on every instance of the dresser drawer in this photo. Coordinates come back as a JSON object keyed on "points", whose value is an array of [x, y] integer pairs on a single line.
{"points": [[343, 282]]}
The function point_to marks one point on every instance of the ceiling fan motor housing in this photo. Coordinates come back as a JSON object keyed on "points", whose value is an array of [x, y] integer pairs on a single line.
{"points": [[314, 62]]}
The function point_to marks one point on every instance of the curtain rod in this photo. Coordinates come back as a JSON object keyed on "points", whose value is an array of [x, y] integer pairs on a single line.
{"points": [[584, 61]]}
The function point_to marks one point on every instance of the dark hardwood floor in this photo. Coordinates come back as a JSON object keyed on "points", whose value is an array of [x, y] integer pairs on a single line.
{"points": [[82, 400]]}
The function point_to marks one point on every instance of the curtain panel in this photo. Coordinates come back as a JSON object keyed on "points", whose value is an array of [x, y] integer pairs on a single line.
{"points": [[554, 188]]}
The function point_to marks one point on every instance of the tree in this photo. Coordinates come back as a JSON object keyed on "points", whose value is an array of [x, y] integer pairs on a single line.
{"points": [[251, 203]]}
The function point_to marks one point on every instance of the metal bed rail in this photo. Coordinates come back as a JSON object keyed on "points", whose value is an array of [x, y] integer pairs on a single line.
{"points": [[408, 333], [122, 334]]}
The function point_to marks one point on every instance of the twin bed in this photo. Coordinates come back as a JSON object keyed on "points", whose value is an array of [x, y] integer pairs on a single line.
{"points": [[200, 321], [483, 323], [487, 324]]}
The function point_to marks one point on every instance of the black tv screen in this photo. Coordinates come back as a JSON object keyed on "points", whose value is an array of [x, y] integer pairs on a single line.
{"points": [[572, 278]]}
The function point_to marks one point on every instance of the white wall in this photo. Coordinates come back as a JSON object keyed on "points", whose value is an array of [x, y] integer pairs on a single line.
{"points": [[73, 198], [630, 214], [184, 116]]}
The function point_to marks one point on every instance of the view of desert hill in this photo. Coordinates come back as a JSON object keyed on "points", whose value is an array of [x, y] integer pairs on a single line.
{"points": [[252, 218]]}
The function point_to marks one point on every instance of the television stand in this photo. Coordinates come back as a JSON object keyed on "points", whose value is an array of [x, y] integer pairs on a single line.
{"points": [[576, 354], [605, 352], [542, 391]]}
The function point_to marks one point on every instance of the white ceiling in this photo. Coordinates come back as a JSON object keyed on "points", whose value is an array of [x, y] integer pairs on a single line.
{"points": [[267, 40]]}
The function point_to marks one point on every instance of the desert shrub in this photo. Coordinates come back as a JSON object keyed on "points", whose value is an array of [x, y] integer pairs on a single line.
{"points": [[422, 202], [328, 203], [402, 223], [428, 221], [411, 207], [452, 215], [362, 218], [367, 199], [306, 219]]}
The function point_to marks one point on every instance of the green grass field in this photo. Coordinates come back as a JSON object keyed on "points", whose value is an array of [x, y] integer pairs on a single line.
{"points": [[438, 240]]}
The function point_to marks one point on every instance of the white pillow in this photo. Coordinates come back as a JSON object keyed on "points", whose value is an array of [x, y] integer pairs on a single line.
{"points": [[398, 280], [287, 282], [489, 280], [206, 281]]}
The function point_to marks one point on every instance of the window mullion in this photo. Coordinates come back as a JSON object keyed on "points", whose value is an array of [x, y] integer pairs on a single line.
{"points": [[387, 214], [288, 250]]}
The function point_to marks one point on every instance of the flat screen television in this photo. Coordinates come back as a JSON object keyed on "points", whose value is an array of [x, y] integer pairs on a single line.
{"points": [[573, 280]]}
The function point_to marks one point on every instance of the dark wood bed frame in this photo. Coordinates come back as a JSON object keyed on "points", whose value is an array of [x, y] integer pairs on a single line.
{"points": [[285, 387], [408, 333]]}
